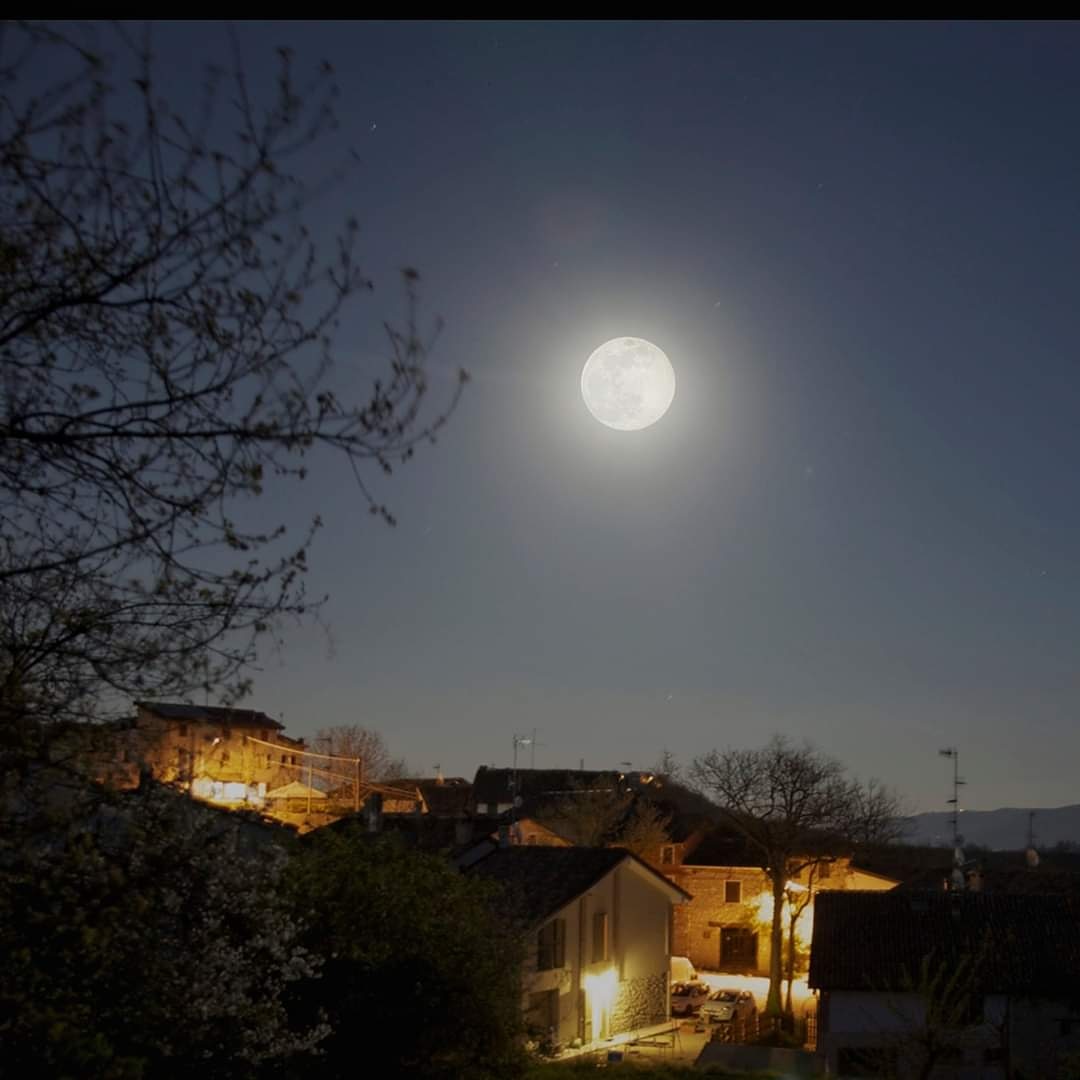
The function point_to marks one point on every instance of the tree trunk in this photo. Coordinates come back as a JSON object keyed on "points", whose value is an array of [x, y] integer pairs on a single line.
{"points": [[776, 947], [790, 959]]}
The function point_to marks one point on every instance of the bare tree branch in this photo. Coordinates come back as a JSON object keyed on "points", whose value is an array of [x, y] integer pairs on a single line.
{"points": [[794, 805], [167, 354]]}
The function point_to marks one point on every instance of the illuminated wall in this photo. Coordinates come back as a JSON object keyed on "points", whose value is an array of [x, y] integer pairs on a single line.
{"points": [[617, 958]]}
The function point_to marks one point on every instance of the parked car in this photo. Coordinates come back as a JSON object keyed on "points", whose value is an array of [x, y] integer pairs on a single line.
{"points": [[682, 970], [726, 1005], [687, 998]]}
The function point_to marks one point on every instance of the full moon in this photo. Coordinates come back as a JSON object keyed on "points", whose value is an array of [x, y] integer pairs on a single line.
{"points": [[628, 383]]}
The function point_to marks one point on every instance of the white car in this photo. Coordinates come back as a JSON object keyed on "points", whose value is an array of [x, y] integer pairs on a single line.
{"points": [[725, 1005], [682, 970], [687, 998]]}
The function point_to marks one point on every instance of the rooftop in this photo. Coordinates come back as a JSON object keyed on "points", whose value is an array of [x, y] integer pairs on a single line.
{"points": [[210, 714], [545, 879], [876, 940]]}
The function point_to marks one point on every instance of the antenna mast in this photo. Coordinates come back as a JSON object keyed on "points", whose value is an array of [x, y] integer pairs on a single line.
{"points": [[957, 784], [954, 802]]}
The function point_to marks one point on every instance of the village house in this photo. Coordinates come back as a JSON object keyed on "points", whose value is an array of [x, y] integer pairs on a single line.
{"points": [[497, 791], [516, 801], [599, 956], [448, 797], [983, 985], [226, 756], [726, 925]]}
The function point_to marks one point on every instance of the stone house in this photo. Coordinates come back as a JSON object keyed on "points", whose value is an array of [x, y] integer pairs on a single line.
{"points": [[725, 926], [222, 755], [599, 925], [943, 984]]}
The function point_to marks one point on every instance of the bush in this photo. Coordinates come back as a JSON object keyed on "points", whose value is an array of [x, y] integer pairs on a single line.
{"points": [[139, 939], [420, 976]]}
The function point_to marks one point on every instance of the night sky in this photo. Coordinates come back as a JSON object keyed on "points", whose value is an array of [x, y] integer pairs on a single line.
{"points": [[858, 523]]}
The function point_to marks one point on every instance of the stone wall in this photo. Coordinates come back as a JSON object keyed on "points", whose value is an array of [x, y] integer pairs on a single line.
{"points": [[640, 1002], [698, 924]]}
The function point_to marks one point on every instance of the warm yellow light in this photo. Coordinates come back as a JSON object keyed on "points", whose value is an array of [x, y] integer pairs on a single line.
{"points": [[601, 988], [804, 923], [764, 905]]}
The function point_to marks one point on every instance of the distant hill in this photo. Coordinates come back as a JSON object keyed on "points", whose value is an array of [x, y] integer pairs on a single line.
{"points": [[999, 830]]}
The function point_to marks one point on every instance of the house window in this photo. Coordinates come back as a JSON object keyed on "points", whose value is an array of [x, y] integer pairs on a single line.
{"points": [[667, 854], [599, 936], [265, 736], [551, 946], [183, 729], [824, 871], [732, 892], [282, 759]]}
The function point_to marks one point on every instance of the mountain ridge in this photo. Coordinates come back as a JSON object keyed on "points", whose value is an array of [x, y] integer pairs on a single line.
{"points": [[1005, 828]]}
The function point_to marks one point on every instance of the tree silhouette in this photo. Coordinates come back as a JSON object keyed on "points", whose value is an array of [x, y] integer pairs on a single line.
{"points": [[794, 805], [167, 344]]}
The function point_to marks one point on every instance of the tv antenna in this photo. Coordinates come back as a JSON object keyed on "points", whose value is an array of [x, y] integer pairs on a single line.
{"points": [[957, 784], [954, 802]]}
